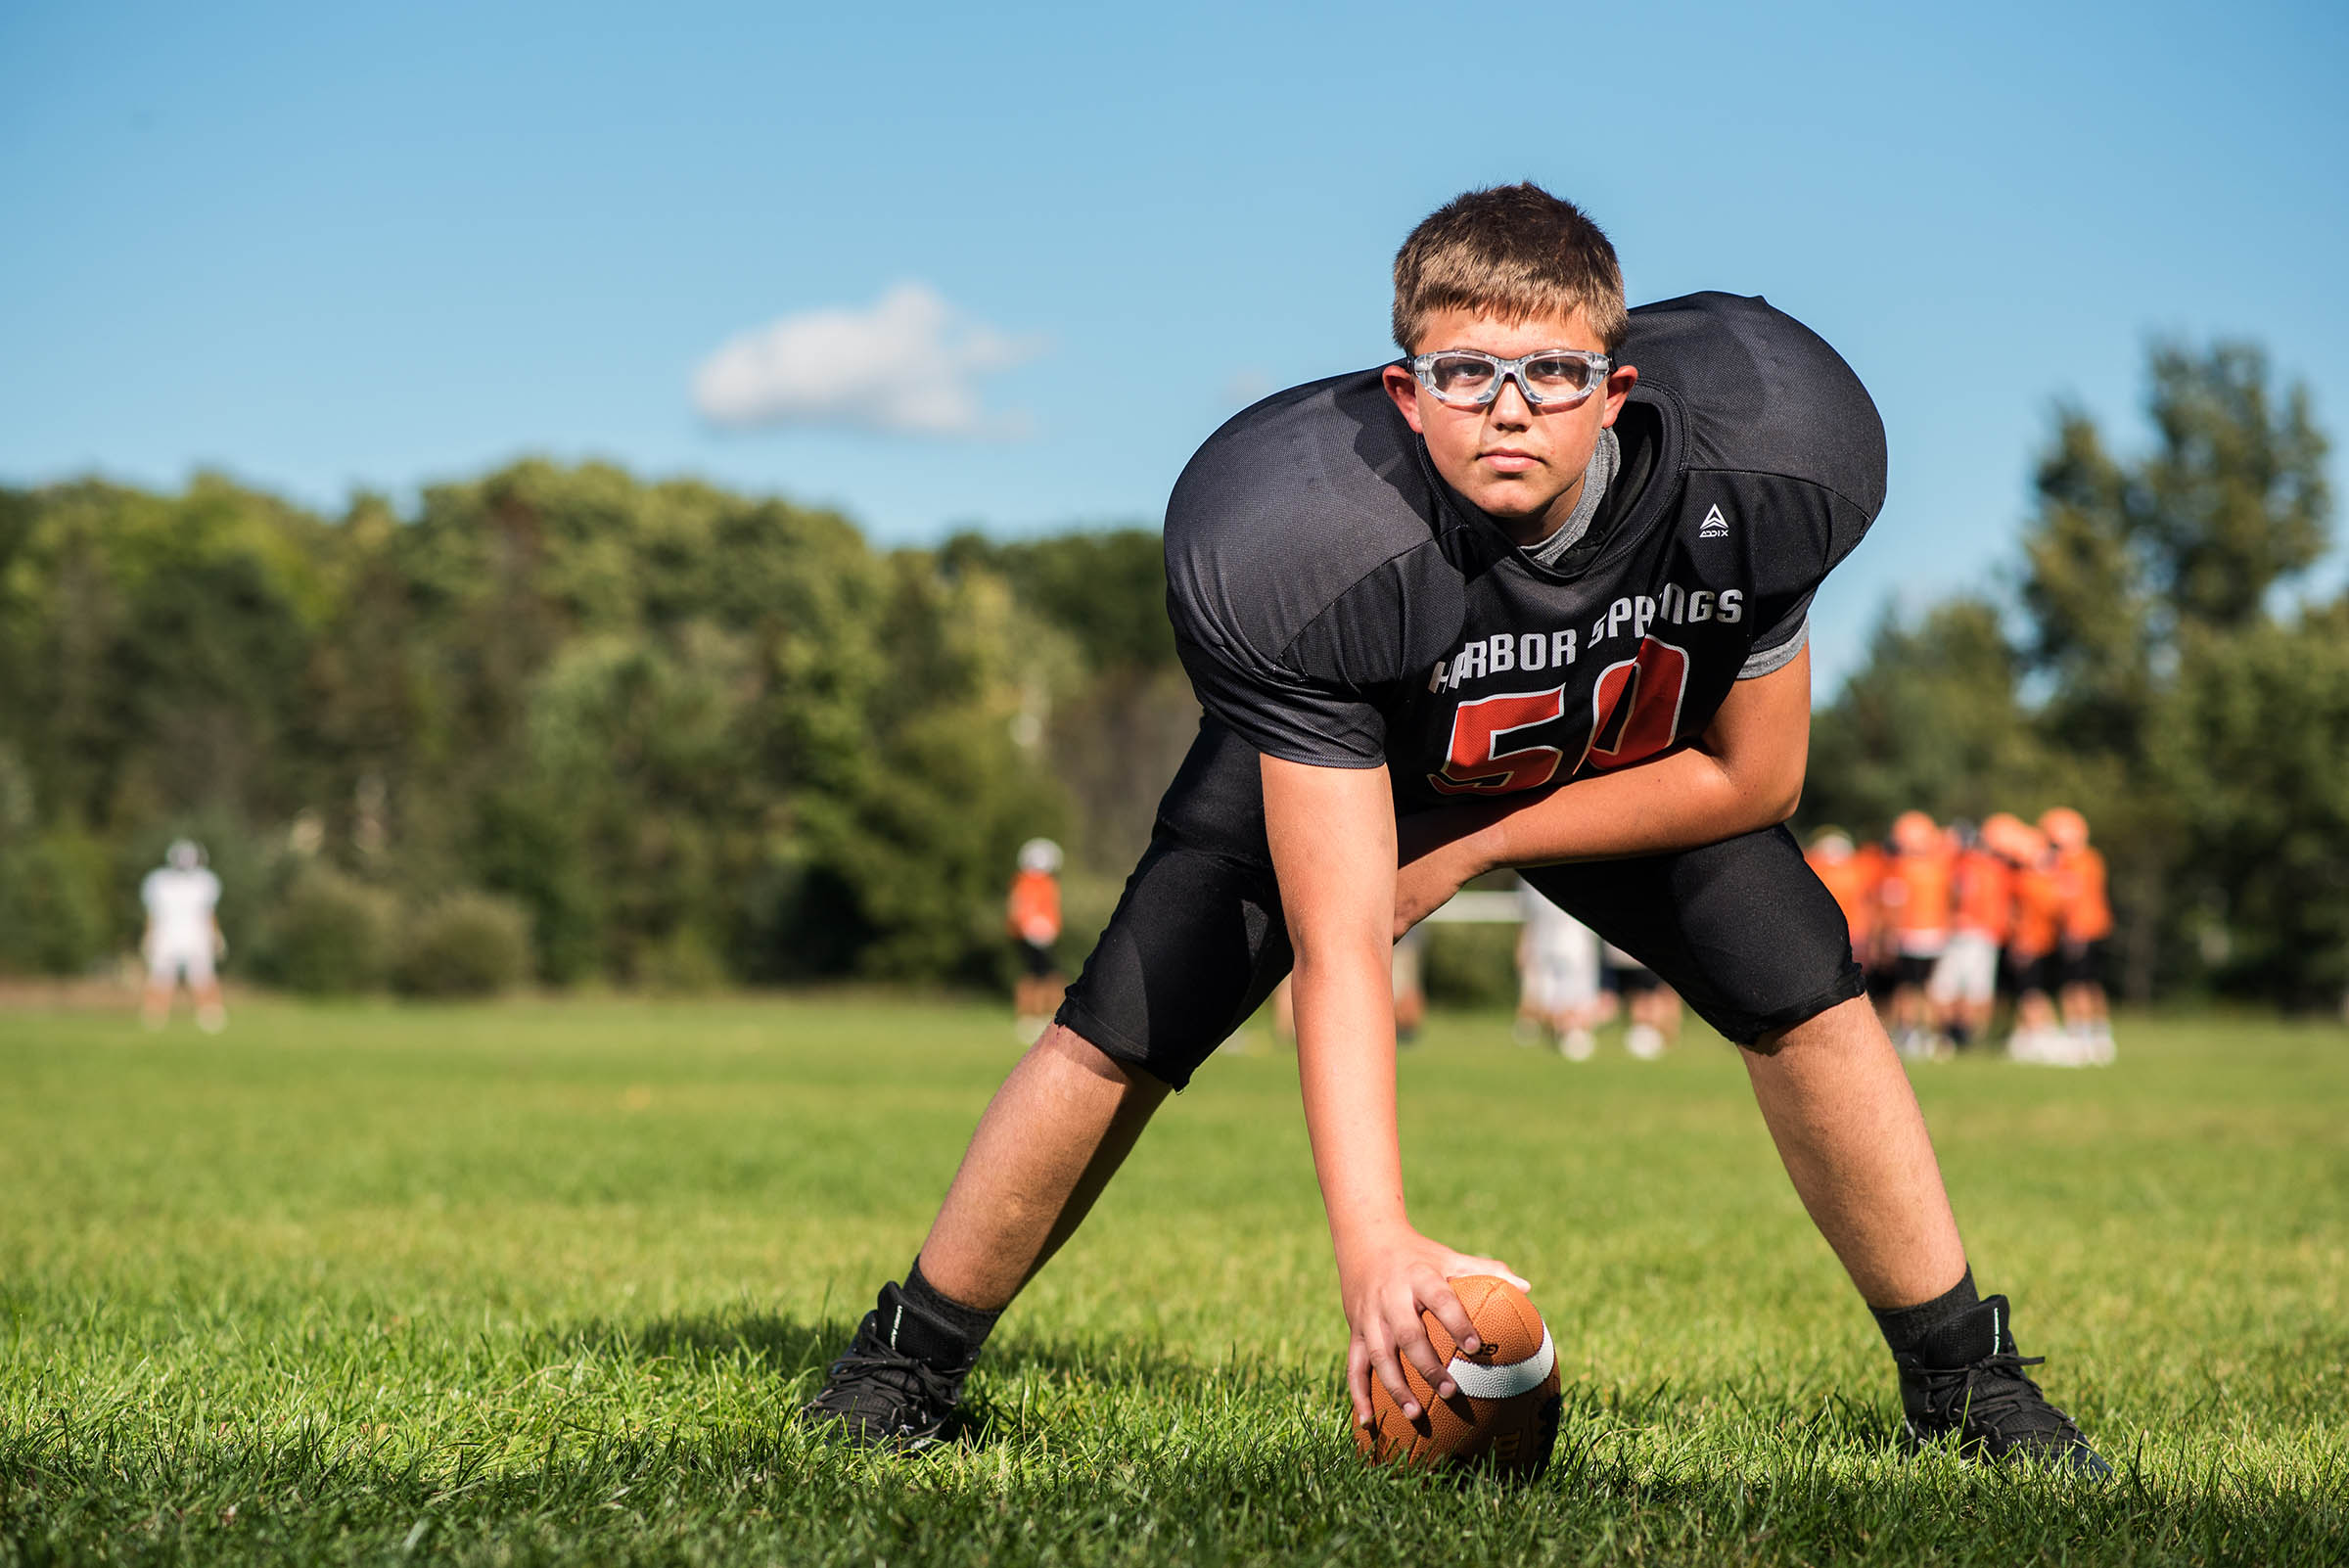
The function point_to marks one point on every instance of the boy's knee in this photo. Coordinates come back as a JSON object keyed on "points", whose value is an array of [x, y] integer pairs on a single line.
{"points": [[1838, 1021], [1059, 1042]]}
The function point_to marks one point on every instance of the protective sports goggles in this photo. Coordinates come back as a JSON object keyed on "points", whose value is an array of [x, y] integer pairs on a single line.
{"points": [[1554, 378]]}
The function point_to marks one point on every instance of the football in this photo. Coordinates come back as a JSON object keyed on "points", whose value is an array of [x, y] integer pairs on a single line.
{"points": [[1504, 1418]]}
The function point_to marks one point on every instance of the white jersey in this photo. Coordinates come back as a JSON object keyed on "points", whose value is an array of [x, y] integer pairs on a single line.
{"points": [[179, 907], [1550, 931], [1561, 954]]}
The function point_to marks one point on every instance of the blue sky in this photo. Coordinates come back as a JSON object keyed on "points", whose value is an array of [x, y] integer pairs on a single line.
{"points": [[333, 246]]}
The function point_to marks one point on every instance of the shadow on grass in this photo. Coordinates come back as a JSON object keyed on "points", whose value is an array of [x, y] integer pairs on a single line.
{"points": [[797, 1351], [784, 1347], [787, 1346]]}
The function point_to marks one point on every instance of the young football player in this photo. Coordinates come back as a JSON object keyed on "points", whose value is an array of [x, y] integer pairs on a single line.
{"points": [[1915, 894], [1533, 594], [182, 939], [1651, 1010], [1557, 971], [2087, 924], [2033, 955], [1032, 914], [1851, 878], [1964, 987], [1405, 984]]}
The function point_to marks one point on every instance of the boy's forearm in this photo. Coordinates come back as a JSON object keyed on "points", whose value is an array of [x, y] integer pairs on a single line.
{"points": [[1674, 803], [1346, 1077], [1331, 833]]}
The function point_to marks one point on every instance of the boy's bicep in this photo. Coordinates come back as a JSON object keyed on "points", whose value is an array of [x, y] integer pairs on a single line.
{"points": [[1332, 834], [1761, 730]]}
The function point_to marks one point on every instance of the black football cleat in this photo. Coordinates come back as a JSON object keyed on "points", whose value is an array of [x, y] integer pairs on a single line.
{"points": [[1966, 1382], [877, 1395]]}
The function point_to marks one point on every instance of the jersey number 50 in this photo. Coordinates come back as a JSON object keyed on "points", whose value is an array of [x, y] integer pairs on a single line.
{"points": [[1634, 714]]}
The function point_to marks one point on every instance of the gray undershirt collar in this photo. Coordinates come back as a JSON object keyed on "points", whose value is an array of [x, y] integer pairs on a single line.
{"points": [[1605, 458]]}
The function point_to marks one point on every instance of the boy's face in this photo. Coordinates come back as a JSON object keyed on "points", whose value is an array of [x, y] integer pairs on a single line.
{"points": [[1521, 464]]}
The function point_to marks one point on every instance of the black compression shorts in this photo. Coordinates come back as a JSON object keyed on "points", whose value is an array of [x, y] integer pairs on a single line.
{"points": [[1914, 969], [2083, 963], [1742, 929], [2043, 973]]}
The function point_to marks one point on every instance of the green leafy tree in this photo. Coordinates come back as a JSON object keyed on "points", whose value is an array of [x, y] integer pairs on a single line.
{"points": [[1931, 720], [2251, 748], [2132, 567], [1116, 720], [1104, 588], [687, 732]]}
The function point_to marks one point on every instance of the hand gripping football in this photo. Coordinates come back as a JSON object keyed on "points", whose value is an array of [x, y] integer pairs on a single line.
{"points": [[1504, 1420]]}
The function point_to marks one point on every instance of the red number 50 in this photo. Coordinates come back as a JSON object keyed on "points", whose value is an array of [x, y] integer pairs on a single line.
{"points": [[1634, 714]]}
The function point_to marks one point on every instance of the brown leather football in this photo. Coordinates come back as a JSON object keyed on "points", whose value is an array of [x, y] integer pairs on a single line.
{"points": [[1504, 1420]]}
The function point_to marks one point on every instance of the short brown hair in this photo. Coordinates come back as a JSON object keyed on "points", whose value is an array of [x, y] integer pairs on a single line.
{"points": [[1514, 252]]}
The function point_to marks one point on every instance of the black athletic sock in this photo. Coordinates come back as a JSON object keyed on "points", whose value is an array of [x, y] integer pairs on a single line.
{"points": [[931, 1326], [1907, 1327]]}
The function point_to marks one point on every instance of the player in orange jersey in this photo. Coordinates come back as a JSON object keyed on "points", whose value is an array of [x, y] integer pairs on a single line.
{"points": [[2087, 925], [1915, 896], [1852, 878], [1964, 987], [1033, 912], [2033, 950]]}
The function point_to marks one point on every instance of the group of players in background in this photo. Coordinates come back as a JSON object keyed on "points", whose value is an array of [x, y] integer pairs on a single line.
{"points": [[1948, 921]]}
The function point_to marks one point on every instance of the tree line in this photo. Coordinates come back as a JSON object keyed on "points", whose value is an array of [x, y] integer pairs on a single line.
{"points": [[564, 725], [651, 733]]}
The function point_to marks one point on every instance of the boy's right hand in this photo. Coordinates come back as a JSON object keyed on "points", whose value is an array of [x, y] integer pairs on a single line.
{"points": [[1386, 1280]]}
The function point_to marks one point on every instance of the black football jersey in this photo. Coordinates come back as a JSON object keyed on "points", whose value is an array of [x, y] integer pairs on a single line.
{"points": [[1336, 603]]}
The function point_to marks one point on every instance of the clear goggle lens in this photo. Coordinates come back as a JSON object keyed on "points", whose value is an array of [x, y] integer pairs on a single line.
{"points": [[1559, 376]]}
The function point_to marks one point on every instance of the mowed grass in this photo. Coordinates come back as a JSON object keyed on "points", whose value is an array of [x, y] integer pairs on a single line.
{"points": [[544, 1282]]}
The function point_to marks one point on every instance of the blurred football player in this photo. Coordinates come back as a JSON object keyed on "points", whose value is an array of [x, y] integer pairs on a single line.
{"points": [[1650, 1009], [1964, 987], [1033, 913], [2086, 927], [1916, 897], [1557, 975], [1407, 984], [2033, 958], [182, 939], [1851, 875]]}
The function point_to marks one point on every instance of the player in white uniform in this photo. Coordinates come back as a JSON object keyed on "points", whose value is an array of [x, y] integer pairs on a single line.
{"points": [[1651, 1010], [1557, 971], [183, 937]]}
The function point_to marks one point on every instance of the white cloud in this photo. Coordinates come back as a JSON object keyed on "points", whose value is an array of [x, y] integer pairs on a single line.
{"points": [[909, 365]]}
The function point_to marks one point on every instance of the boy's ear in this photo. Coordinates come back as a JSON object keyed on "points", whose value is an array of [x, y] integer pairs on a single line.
{"points": [[1404, 387], [1620, 382]]}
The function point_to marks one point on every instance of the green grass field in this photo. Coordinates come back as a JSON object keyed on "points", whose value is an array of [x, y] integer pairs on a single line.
{"points": [[543, 1283]]}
